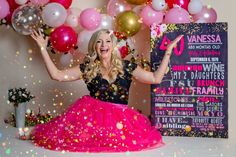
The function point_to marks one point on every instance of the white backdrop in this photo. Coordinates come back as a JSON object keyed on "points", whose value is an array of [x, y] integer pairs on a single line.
{"points": [[22, 66]]}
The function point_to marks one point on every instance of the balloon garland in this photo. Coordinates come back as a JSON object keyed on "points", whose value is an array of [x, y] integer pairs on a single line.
{"points": [[70, 28]]}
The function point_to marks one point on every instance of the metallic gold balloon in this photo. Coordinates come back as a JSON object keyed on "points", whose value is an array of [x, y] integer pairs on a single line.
{"points": [[128, 23], [48, 31], [136, 2]]}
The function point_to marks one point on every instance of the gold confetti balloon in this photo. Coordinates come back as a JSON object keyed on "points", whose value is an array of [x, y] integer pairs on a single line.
{"points": [[26, 18], [128, 23], [136, 2]]}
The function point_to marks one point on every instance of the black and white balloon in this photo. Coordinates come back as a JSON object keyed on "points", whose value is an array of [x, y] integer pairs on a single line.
{"points": [[26, 18]]}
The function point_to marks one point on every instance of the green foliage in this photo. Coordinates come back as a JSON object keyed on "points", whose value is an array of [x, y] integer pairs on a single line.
{"points": [[19, 95]]}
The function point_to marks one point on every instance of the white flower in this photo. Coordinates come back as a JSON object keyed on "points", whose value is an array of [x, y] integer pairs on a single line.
{"points": [[121, 43], [153, 26], [153, 34], [28, 111], [163, 27]]}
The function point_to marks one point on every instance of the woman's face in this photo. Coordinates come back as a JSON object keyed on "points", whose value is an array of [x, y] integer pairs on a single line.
{"points": [[104, 46]]}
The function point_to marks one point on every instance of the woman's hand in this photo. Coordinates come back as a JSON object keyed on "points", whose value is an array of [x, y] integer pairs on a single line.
{"points": [[173, 44], [39, 38], [65, 75], [157, 76]]}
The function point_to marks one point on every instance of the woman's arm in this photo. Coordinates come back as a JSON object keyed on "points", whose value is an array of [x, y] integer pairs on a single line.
{"points": [[56, 74], [157, 76]]}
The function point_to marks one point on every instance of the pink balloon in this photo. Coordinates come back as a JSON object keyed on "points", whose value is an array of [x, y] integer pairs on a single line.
{"points": [[39, 2], [63, 38], [90, 19], [4, 8], [207, 14], [13, 5], [177, 15], [150, 16], [114, 7]]}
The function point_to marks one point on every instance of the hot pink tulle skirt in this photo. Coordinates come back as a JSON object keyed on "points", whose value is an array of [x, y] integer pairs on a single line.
{"points": [[91, 125]]}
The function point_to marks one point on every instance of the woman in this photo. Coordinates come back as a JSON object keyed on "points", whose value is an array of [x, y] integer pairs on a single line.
{"points": [[101, 122]]}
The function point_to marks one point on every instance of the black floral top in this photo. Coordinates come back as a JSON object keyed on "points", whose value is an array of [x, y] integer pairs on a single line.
{"points": [[115, 92]]}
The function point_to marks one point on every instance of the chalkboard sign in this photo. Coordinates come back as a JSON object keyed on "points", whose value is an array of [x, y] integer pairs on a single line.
{"points": [[192, 99]]}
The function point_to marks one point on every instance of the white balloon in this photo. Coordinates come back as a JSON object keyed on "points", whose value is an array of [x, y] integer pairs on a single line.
{"points": [[158, 5], [54, 14], [83, 40], [72, 20], [21, 2], [66, 59], [200, 21], [74, 11], [106, 22], [195, 6]]}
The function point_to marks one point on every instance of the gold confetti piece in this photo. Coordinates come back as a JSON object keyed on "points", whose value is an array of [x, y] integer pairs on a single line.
{"points": [[119, 125], [89, 124], [123, 137], [188, 128], [30, 51]]}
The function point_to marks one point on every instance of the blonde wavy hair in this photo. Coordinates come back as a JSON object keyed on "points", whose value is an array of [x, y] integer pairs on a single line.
{"points": [[92, 61]]}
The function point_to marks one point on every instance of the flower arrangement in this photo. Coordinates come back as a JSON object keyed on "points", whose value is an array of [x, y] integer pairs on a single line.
{"points": [[19, 95], [31, 118]]}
